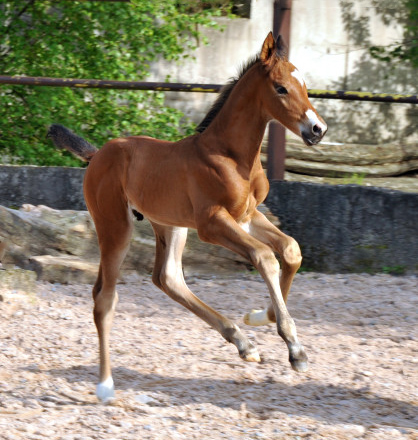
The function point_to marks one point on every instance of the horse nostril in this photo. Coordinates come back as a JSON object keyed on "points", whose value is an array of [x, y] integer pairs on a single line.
{"points": [[317, 129]]}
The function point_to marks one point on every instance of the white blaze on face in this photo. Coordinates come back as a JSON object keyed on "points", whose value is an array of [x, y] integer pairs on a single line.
{"points": [[314, 120], [296, 74]]}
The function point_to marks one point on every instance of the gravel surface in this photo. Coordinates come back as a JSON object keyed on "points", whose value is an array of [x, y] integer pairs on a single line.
{"points": [[177, 379]]}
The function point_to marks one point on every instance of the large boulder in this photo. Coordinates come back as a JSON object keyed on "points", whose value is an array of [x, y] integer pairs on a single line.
{"points": [[61, 246]]}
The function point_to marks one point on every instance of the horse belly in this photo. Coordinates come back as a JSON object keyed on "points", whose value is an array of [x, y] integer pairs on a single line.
{"points": [[161, 198]]}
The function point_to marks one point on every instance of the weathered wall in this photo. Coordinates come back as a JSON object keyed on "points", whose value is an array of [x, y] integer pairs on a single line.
{"points": [[56, 187], [329, 44], [228, 49], [349, 227], [340, 228]]}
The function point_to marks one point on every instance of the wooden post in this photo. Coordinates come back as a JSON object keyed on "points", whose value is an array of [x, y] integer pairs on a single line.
{"points": [[276, 149]]}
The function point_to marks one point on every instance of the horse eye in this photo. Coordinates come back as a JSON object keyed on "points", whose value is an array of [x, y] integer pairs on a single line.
{"points": [[280, 89]]}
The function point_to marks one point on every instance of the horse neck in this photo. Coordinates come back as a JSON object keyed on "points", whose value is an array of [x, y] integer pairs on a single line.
{"points": [[240, 124]]}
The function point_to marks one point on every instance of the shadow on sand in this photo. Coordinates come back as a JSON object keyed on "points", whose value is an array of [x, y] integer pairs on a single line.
{"points": [[327, 403]]}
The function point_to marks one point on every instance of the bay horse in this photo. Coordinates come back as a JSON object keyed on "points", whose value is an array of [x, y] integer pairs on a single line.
{"points": [[211, 181]]}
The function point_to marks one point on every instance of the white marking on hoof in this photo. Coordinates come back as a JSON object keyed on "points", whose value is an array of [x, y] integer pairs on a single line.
{"points": [[252, 356], [297, 356], [105, 391], [256, 318]]}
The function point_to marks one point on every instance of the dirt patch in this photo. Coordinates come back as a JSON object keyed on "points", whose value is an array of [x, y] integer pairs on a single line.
{"points": [[177, 379]]}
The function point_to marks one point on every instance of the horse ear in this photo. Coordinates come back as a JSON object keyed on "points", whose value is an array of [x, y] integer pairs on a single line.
{"points": [[281, 48], [268, 51]]}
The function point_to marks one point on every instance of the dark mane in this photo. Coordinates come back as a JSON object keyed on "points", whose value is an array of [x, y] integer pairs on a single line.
{"points": [[224, 95]]}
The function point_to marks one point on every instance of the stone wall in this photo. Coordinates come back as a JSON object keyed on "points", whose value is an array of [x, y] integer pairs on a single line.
{"points": [[56, 187], [349, 228], [340, 228]]}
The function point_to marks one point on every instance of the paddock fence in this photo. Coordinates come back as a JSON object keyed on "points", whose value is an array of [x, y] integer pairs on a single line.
{"points": [[196, 88], [273, 156], [367, 229]]}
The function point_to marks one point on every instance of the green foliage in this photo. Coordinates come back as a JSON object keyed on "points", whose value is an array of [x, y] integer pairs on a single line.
{"points": [[78, 39], [404, 12], [407, 49], [394, 270], [355, 179]]}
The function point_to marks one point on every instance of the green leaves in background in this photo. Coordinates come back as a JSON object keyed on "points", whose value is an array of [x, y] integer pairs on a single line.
{"points": [[81, 39]]}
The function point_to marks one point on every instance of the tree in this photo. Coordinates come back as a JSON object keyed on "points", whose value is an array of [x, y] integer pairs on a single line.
{"points": [[407, 49], [81, 39]]}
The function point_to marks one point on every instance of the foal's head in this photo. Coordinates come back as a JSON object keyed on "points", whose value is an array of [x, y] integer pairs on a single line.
{"points": [[285, 96]]}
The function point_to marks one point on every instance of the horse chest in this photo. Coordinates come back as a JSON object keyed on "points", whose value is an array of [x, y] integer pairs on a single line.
{"points": [[242, 199]]}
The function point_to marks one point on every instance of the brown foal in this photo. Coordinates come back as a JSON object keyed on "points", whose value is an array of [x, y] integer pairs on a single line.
{"points": [[211, 181]]}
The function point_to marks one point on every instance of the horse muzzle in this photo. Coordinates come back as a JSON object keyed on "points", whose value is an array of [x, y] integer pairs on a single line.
{"points": [[314, 136], [313, 129]]}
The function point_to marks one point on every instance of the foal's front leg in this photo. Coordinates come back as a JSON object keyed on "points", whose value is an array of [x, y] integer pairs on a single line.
{"points": [[168, 276], [222, 229], [290, 257]]}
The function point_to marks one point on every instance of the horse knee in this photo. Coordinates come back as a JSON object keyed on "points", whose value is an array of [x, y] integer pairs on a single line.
{"points": [[264, 259], [292, 255]]}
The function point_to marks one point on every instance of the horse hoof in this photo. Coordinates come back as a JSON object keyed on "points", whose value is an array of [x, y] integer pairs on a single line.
{"points": [[256, 318], [251, 355], [300, 366], [105, 391]]}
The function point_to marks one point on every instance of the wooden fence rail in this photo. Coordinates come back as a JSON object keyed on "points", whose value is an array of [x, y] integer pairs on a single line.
{"points": [[201, 88]]}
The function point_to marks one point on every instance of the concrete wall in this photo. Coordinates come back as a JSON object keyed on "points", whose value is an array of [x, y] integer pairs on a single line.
{"points": [[229, 47], [56, 187], [326, 51], [349, 228], [330, 42], [340, 228]]}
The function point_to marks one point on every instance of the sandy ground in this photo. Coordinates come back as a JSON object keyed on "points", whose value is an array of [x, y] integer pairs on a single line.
{"points": [[177, 379]]}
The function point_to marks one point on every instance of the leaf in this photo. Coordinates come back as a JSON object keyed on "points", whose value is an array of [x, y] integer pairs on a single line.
{"points": [[89, 40]]}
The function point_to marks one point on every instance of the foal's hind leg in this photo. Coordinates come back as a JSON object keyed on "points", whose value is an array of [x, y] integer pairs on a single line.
{"points": [[290, 257], [168, 276], [221, 228], [114, 237]]}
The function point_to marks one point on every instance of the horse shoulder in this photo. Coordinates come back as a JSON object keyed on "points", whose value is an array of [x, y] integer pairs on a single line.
{"points": [[259, 186]]}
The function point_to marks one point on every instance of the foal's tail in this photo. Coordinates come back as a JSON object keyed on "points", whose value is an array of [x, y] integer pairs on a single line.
{"points": [[64, 138]]}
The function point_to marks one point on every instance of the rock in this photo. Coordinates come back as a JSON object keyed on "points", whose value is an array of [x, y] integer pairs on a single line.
{"points": [[18, 279], [61, 246], [3, 247], [336, 160], [64, 269], [34, 230], [143, 398], [354, 430]]}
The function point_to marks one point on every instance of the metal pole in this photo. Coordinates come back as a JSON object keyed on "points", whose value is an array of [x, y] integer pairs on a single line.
{"points": [[345, 95], [109, 84], [276, 149]]}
